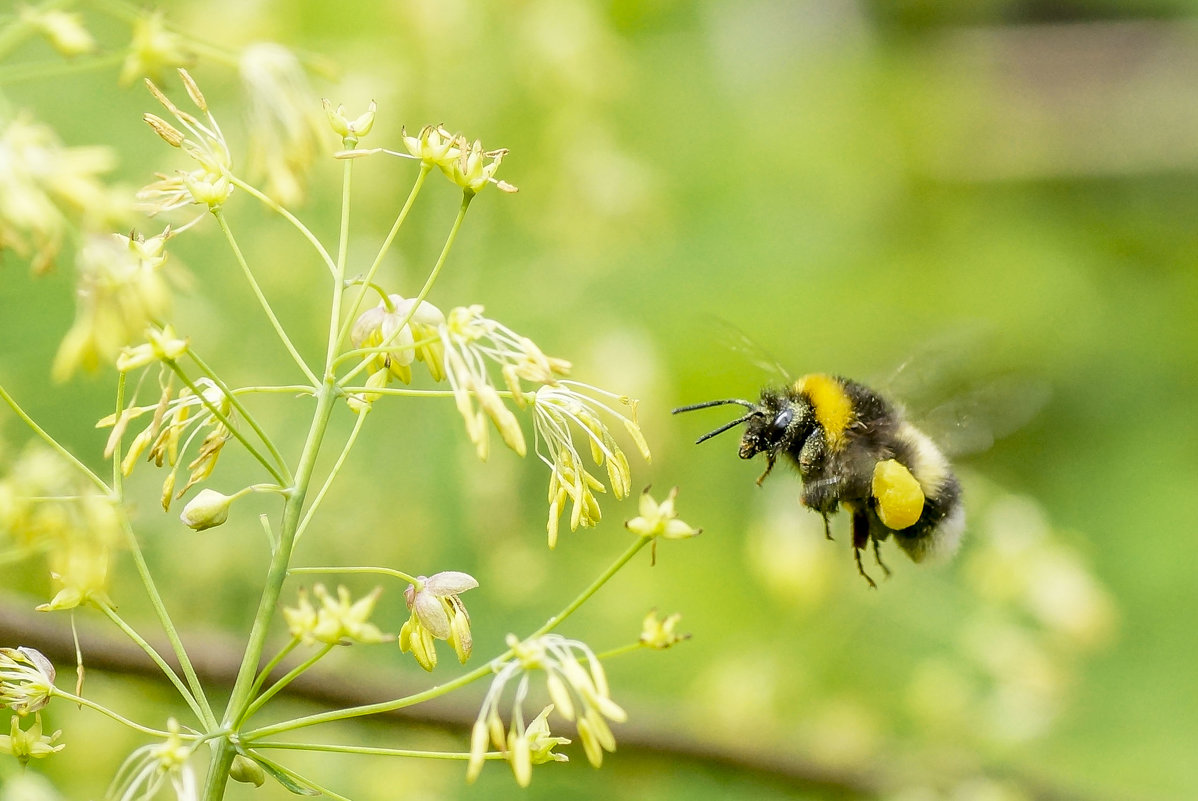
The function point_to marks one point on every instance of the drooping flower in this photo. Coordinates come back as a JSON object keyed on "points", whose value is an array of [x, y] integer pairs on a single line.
{"points": [[26, 679], [579, 693], [438, 613]]}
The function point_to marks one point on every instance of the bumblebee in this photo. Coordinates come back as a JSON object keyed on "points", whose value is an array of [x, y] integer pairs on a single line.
{"points": [[854, 450]]}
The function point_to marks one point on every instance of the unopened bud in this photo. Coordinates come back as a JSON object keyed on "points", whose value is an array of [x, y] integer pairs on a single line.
{"points": [[206, 510]]}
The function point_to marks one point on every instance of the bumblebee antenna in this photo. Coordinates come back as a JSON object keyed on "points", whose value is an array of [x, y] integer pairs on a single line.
{"points": [[707, 404], [752, 407]]}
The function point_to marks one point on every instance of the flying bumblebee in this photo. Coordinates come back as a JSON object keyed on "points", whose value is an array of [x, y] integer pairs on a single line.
{"points": [[854, 450]]}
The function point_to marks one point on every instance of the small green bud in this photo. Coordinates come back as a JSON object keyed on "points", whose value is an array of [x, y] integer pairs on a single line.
{"points": [[206, 510], [247, 771]]}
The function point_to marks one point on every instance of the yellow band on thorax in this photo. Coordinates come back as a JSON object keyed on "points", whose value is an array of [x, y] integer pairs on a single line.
{"points": [[833, 408]]}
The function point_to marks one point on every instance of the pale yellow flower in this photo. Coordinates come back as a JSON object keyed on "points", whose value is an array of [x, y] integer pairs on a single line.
{"points": [[209, 183], [661, 633], [44, 184], [154, 49], [29, 743], [338, 620], [63, 29], [560, 411], [284, 122], [149, 768], [121, 292]]}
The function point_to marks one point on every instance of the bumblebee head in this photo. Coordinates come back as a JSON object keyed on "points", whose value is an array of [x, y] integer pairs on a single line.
{"points": [[776, 422], [770, 423]]}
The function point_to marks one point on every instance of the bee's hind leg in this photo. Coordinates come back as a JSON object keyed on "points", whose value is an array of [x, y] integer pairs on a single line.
{"points": [[878, 558], [860, 541]]}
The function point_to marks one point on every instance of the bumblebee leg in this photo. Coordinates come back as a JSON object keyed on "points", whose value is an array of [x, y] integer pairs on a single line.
{"points": [[878, 558], [860, 541], [861, 568], [827, 526], [770, 458]]}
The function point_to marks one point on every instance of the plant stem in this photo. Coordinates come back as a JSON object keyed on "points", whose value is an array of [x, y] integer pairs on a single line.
{"points": [[280, 462], [291, 218], [273, 690], [373, 751], [382, 571], [262, 301], [378, 259], [328, 482], [218, 773], [53, 443], [103, 710], [428, 283], [156, 657]]}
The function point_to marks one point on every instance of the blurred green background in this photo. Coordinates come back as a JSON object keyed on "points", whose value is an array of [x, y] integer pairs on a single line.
{"points": [[843, 181]]}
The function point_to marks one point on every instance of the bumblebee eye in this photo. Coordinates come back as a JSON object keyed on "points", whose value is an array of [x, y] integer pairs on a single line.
{"points": [[783, 419]]}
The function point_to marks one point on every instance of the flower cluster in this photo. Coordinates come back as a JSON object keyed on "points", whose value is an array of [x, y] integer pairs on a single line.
{"points": [[559, 410], [44, 508], [284, 124], [465, 347], [209, 183], [121, 291], [579, 693], [437, 614], [338, 621], [463, 162], [42, 182]]}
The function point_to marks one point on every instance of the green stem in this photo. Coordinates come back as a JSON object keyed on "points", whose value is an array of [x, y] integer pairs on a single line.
{"points": [[373, 751], [291, 218], [227, 423], [280, 462], [586, 594], [262, 301], [273, 690], [157, 659], [380, 571], [54, 444], [333, 473], [266, 670], [460, 681], [18, 73], [368, 280], [428, 283], [620, 650], [103, 710]]}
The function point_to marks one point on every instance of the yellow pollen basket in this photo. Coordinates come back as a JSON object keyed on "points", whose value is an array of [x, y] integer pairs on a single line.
{"points": [[899, 496]]}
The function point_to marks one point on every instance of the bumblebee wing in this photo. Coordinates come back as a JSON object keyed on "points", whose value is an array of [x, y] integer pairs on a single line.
{"points": [[948, 390], [971, 421], [742, 344]]}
